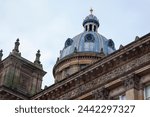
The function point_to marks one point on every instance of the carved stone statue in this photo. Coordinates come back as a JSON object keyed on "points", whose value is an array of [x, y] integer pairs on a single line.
{"points": [[37, 59], [16, 48]]}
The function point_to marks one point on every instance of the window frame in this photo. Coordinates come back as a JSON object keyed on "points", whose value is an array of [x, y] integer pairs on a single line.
{"points": [[145, 95]]}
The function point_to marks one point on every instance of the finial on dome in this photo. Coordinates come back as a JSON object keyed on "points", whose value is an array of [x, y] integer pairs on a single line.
{"points": [[91, 20], [91, 10]]}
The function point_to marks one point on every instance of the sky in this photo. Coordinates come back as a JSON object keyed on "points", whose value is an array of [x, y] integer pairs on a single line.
{"points": [[46, 24]]}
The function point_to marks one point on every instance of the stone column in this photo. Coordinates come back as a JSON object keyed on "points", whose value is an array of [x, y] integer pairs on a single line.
{"points": [[92, 27], [88, 27], [132, 86]]}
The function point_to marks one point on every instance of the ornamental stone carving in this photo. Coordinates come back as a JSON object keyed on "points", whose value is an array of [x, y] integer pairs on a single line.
{"points": [[132, 81], [110, 76], [101, 94]]}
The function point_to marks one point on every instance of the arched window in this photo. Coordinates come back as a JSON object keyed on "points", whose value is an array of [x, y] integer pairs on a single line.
{"points": [[68, 42], [86, 28], [90, 28], [111, 44], [94, 28]]}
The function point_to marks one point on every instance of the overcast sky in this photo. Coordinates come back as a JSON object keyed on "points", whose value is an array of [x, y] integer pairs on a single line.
{"points": [[46, 24]]}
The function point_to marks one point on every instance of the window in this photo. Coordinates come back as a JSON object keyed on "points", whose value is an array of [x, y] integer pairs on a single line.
{"points": [[89, 38], [83, 66], [147, 92], [68, 42], [94, 28], [120, 97], [86, 28], [111, 44], [90, 27], [67, 72]]}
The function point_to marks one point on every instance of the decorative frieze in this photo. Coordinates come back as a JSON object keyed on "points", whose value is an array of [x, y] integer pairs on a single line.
{"points": [[122, 70]]}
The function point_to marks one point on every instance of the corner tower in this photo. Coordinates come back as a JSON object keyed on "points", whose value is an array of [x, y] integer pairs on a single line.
{"points": [[20, 78], [82, 50]]}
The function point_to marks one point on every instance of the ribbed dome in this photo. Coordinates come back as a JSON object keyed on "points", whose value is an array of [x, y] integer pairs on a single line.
{"points": [[91, 42], [82, 50], [91, 19]]}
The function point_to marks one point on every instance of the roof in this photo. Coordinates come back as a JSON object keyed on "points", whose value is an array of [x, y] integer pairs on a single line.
{"points": [[91, 42]]}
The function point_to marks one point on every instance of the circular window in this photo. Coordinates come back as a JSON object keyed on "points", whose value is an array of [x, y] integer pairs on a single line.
{"points": [[89, 38]]}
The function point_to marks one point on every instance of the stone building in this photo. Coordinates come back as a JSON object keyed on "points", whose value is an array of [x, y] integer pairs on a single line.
{"points": [[89, 67]]}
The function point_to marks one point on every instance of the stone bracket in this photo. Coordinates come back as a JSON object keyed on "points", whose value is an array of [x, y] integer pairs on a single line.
{"points": [[132, 81]]}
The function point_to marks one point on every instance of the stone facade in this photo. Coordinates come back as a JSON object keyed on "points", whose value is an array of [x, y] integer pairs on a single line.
{"points": [[123, 74], [20, 78], [74, 63]]}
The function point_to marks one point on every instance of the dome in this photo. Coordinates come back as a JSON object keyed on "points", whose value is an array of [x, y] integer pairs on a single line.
{"points": [[87, 42], [91, 19], [82, 50]]}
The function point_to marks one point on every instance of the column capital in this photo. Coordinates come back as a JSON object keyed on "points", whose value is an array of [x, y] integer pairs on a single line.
{"points": [[132, 81], [101, 94]]}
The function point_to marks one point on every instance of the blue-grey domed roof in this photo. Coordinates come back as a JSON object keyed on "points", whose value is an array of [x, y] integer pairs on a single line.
{"points": [[91, 18], [88, 41]]}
